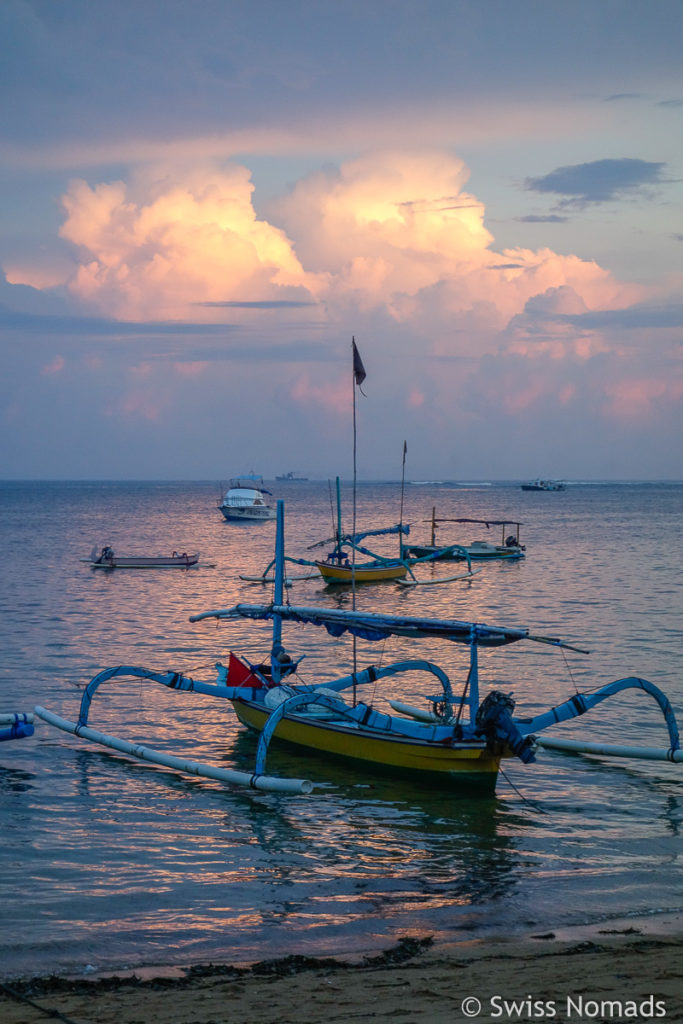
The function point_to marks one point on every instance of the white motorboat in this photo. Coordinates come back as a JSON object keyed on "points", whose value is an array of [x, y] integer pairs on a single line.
{"points": [[245, 500], [543, 485]]}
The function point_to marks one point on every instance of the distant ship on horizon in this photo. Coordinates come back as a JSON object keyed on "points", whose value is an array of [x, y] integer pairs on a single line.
{"points": [[290, 476]]}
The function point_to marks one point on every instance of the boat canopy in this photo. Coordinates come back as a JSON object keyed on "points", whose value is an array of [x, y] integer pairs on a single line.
{"points": [[375, 626]]}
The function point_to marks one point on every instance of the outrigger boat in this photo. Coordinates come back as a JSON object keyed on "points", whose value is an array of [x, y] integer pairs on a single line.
{"points": [[341, 565], [457, 743], [509, 547], [107, 559]]}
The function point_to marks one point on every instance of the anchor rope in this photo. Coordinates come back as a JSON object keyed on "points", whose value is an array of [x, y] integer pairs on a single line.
{"points": [[519, 792]]}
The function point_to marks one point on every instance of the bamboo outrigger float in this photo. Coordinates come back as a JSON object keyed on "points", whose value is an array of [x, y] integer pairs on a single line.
{"points": [[458, 744]]}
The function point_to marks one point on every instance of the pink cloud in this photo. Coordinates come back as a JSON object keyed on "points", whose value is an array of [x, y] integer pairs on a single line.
{"points": [[183, 242], [195, 369], [55, 366], [391, 234], [638, 399], [335, 396]]}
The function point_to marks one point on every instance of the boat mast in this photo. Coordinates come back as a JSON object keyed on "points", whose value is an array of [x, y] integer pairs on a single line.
{"points": [[403, 485], [278, 592], [357, 378], [339, 521]]}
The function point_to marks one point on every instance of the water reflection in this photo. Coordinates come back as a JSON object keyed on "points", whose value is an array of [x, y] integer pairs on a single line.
{"points": [[104, 859]]}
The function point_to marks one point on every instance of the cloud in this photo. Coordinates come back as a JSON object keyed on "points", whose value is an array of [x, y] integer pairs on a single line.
{"points": [[171, 241], [393, 239], [56, 366], [264, 304], [636, 317], [70, 325], [392, 243], [601, 181], [549, 218]]}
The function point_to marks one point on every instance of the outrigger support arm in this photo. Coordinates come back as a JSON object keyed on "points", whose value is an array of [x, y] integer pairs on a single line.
{"points": [[174, 680], [371, 674], [582, 702]]}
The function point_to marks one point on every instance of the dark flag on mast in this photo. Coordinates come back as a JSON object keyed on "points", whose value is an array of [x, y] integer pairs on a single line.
{"points": [[358, 368]]}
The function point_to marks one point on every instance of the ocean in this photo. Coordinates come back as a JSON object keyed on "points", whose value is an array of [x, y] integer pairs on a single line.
{"points": [[109, 864]]}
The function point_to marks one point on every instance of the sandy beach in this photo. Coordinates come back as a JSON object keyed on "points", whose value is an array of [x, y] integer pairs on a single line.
{"points": [[614, 975]]}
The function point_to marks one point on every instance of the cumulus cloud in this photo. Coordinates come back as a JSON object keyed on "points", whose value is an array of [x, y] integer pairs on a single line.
{"points": [[161, 246], [394, 234], [399, 232], [393, 243], [550, 218]]}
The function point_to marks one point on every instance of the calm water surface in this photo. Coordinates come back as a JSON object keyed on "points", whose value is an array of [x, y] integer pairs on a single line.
{"points": [[110, 864]]}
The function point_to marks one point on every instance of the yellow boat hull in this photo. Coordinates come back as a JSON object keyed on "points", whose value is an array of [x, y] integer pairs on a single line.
{"points": [[469, 765], [363, 574]]}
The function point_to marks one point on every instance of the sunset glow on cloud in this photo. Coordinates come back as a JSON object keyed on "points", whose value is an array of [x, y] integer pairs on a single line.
{"points": [[191, 235], [182, 243], [392, 231]]}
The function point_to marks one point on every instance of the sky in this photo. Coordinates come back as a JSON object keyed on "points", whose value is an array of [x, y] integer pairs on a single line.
{"points": [[203, 202]]}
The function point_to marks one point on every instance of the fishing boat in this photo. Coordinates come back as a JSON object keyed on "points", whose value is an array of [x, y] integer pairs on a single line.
{"points": [[106, 558], [244, 500], [337, 568], [509, 547], [456, 742], [290, 477], [543, 485]]}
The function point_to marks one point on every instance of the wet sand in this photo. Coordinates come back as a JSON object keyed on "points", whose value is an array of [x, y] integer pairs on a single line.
{"points": [[613, 975]]}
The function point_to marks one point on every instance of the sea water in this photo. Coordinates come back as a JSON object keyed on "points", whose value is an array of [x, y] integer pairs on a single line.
{"points": [[110, 864]]}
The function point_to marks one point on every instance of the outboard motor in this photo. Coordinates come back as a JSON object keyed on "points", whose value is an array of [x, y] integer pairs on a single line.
{"points": [[494, 718]]}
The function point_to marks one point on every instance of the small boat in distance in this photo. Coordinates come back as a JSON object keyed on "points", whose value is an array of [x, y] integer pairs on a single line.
{"points": [[543, 485], [287, 477], [106, 558], [244, 500], [509, 547]]}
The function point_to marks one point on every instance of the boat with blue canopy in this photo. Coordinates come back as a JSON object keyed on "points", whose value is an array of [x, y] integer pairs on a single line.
{"points": [[510, 546], [456, 740]]}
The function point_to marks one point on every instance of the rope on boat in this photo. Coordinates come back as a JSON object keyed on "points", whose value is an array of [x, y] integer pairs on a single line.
{"points": [[266, 783]]}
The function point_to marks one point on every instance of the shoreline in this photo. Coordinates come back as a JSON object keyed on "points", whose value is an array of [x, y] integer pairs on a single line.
{"points": [[603, 973]]}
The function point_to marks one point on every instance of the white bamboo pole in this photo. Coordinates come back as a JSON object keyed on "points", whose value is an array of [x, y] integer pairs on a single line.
{"points": [[15, 717], [268, 783], [641, 753]]}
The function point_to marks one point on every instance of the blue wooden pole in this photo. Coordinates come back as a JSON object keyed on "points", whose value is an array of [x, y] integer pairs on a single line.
{"points": [[279, 589]]}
